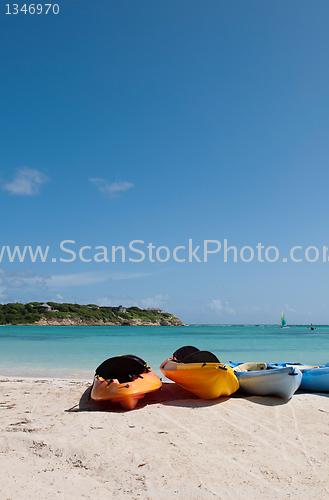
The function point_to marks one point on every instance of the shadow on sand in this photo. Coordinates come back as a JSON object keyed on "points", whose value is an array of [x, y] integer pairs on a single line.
{"points": [[170, 395]]}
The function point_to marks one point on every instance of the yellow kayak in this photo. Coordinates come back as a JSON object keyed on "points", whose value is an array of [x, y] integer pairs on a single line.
{"points": [[124, 380], [200, 372]]}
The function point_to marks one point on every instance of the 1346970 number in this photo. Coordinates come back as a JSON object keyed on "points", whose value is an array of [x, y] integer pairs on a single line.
{"points": [[33, 8]]}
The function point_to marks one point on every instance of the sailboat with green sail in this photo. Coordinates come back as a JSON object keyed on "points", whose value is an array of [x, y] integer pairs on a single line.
{"points": [[283, 321]]}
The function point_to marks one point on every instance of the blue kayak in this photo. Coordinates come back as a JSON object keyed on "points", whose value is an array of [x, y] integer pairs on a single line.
{"points": [[314, 379]]}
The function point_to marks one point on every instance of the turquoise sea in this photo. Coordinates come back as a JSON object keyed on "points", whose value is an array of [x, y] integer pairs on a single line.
{"points": [[75, 351]]}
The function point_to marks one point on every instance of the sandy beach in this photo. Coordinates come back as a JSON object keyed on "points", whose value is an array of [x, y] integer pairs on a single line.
{"points": [[55, 443]]}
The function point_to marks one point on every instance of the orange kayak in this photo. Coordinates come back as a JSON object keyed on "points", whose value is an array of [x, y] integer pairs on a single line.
{"points": [[201, 372], [124, 380]]}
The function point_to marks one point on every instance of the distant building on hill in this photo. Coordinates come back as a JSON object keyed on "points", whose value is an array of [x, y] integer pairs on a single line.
{"points": [[45, 308], [120, 308]]}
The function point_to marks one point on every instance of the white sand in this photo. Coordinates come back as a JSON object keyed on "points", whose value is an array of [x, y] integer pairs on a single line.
{"points": [[54, 443]]}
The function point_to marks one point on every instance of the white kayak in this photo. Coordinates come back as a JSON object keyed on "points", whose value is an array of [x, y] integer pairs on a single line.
{"points": [[315, 378], [280, 382]]}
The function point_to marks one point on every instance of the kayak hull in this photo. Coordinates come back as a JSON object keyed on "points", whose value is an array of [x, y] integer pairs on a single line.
{"points": [[205, 380], [128, 393], [315, 380], [279, 382]]}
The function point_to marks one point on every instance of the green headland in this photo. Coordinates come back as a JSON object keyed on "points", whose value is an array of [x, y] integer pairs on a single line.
{"points": [[52, 313]]}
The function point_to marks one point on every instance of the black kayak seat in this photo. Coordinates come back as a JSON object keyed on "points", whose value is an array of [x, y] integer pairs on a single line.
{"points": [[184, 351], [122, 368], [201, 357], [132, 356]]}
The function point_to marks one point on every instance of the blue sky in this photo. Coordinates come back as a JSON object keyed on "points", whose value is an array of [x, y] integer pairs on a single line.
{"points": [[164, 122]]}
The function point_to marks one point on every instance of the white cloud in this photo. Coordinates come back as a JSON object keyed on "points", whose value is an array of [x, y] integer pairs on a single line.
{"points": [[115, 301], [229, 309], [41, 285], [26, 280], [29, 273], [219, 306], [289, 309], [104, 302], [127, 276], [216, 305], [156, 301], [3, 295], [17, 284], [257, 309], [111, 189], [84, 279], [27, 181]]}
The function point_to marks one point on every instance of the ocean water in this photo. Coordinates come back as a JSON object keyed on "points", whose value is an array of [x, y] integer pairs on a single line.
{"points": [[75, 351]]}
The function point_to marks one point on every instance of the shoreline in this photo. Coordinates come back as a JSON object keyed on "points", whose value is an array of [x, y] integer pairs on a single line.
{"points": [[90, 323], [171, 443], [139, 324]]}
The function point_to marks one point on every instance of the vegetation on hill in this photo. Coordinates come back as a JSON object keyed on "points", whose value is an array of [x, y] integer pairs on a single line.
{"points": [[33, 312]]}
